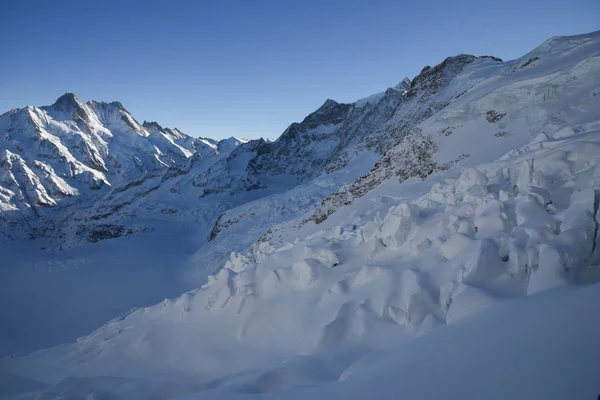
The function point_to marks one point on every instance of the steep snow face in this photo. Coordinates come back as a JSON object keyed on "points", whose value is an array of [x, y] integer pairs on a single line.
{"points": [[72, 149], [486, 110]]}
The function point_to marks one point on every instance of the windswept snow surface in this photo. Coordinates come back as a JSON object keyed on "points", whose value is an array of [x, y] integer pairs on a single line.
{"points": [[479, 280]]}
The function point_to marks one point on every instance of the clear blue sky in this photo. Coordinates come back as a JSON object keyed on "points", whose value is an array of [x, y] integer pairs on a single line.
{"points": [[249, 68]]}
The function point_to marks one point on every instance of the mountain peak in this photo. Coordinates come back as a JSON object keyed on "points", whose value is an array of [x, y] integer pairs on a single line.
{"points": [[68, 107], [329, 103], [67, 100], [444, 71], [152, 125], [403, 85], [235, 139], [119, 105]]}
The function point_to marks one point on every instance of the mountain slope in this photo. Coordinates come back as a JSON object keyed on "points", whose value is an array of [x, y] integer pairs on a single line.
{"points": [[334, 137], [487, 193], [50, 155], [520, 97]]}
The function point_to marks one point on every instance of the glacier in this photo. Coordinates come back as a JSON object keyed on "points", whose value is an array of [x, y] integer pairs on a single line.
{"points": [[437, 239]]}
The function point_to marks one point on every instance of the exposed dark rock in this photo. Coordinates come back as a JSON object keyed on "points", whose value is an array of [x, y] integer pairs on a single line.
{"points": [[432, 79], [217, 227], [128, 121], [493, 116], [152, 125], [412, 158], [493, 58], [529, 62], [96, 233]]}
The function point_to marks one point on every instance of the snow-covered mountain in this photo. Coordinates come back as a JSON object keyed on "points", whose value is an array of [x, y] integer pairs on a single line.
{"points": [[98, 150], [50, 155], [452, 215], [97, 145]]}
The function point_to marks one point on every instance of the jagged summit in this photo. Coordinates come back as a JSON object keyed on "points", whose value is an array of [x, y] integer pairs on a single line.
{"points": [[114, 105], [331, 111], [433, 76], [68, 99], [68, 108], [71, 149], [66, 103], [404, 85], [328, 104], [227, 145], [152, 125], [118, 104]]}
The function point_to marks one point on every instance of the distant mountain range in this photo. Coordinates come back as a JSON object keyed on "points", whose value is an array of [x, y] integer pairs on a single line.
{"points": [[59, 158]]}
